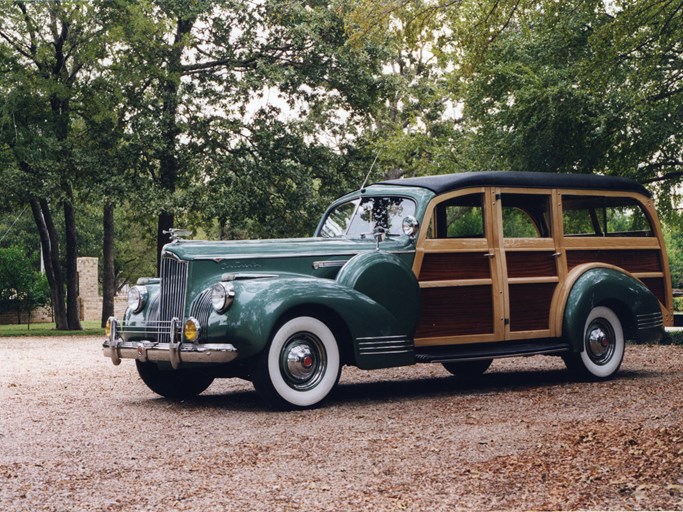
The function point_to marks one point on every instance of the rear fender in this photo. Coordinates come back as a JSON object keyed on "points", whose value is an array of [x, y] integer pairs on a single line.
{"points": [[630, 299]]}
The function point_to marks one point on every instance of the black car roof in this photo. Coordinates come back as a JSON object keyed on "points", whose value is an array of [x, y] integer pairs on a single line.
{"points": [[447, 182]]}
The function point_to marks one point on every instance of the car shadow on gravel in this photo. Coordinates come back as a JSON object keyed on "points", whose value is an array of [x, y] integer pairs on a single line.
{"points": [[420, 388], [242, 401], [487, 384]]}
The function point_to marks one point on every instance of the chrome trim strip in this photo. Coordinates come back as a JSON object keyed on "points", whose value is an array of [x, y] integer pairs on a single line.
{"points": [[380, 345], [400, 337], [329, 264], [233, 276], [203, 257], [650, 320], [406, 351]]}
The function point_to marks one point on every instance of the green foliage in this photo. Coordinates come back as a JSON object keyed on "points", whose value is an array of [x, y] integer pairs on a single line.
{"points": [[673, 235], [413, 127], [21, 288], [579, 86]]}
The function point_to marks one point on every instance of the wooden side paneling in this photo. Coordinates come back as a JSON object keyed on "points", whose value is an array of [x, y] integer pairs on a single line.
{"points": [[631, 260], [450, 266], [657, 287], [530, 306], [455, 311], [531, 264]]}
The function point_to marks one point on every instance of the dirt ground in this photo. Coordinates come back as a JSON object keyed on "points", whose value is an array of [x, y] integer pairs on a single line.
{"points": [[77, 433]]}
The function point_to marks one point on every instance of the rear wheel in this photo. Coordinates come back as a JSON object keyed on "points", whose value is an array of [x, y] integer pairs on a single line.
{"points": [[603, 346], [174, 384], [468, 369], [300, 367]]}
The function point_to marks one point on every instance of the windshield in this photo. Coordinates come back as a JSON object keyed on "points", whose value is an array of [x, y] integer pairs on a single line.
{"points": [[359, 217]]}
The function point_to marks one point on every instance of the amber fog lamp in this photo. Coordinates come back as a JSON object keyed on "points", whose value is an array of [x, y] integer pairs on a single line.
{"points": [[191, 329], [107, 328], [222, 295], [137, 296]]}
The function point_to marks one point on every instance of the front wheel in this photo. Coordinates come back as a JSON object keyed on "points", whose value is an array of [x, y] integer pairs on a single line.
{"points": [[603, 346], [174, 384], [300, 367]]}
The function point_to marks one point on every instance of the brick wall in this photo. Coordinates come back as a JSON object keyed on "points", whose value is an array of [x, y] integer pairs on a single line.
{"points": [[89, 300], [39, 315]]}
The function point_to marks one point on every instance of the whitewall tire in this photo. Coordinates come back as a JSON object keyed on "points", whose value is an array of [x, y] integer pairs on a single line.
{"points": [[301, 365], [603, 346]]}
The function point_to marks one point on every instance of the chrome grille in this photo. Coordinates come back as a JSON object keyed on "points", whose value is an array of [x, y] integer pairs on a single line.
{"points": [[201, 310], [173, 291]]}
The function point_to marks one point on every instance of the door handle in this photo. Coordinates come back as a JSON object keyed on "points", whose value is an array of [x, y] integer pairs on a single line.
{"points": [[557, 254], [489, 255]]}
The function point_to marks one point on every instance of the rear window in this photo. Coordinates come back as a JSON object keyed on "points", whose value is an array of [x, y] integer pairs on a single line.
{"points": [[604, 216]]}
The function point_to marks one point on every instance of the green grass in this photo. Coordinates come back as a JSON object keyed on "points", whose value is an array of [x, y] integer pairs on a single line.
{"points": [[16, 331], [673, 338]]}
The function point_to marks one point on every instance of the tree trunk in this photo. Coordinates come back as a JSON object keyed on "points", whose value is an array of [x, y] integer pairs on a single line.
{"points": [[72, 315], [50, 256], [168, 158], [165, 222], [108, 270]]}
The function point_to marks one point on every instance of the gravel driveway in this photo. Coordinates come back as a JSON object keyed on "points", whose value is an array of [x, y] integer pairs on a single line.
{"points": [[77, 433]]}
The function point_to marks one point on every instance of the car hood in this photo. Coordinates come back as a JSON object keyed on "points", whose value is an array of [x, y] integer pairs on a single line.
{"points": [[226, 250]]}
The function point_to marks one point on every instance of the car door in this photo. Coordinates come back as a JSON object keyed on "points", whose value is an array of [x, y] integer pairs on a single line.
{"points": [[530, 262], [457, 266]]}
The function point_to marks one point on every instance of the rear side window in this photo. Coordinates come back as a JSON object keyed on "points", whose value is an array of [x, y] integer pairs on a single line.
{"points": [[461, 217], [526, 215], [604, 216]]}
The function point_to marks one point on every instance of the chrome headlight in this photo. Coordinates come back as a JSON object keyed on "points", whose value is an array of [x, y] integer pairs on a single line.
{"points": [[222, 295], [137, 298]]}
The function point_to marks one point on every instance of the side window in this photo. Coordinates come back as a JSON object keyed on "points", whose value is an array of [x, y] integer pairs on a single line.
{"points": [[604, 216], [460, 217], [526, 215]]}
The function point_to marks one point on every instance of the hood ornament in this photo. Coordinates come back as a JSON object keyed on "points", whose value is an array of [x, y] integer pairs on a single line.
{"points": [[176, 234]]}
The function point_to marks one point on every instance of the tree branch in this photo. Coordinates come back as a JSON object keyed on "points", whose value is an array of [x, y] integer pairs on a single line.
{"points": [[664, 177]]}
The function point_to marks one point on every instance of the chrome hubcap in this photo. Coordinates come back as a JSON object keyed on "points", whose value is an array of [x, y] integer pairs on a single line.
{"points": [[303, 361], [600, 341]]}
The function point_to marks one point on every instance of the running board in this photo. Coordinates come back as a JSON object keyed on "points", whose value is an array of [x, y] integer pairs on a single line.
{"points": [[479, 351]]}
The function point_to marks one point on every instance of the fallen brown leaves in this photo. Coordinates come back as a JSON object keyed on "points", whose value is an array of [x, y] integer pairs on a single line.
{"points": [[590, 465]]}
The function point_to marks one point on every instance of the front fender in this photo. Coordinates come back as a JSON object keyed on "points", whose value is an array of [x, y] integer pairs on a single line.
{"points": [[632, 301], [259, 304]]}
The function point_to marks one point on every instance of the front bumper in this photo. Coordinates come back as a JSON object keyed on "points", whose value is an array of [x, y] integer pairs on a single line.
{"points": [[174, 352]]}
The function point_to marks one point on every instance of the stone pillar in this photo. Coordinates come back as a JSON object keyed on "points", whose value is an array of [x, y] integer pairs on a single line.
{"points": [[88, 289]]}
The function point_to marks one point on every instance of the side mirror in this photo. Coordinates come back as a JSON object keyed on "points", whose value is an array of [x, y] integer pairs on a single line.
{"points": [[411, 226]]}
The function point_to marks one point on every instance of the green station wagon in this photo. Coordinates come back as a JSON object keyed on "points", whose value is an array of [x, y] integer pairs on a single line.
{"points": [[453, 269]]}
